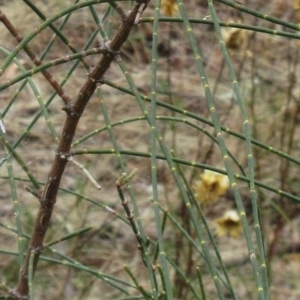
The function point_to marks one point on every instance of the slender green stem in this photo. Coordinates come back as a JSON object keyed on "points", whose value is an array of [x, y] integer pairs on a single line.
{"points": [[14, 195], [199, 276], [259, 14], [209, 233], [192, 164], [17, 157], [250, 28], [221, 142], [30, 276], [56, 62], [152, 122], [146, 294], [69, 236], [138, 230], [208, 122], [251, 163], [43, 26]]}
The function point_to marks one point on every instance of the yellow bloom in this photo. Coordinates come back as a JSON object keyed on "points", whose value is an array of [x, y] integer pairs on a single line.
{"points": [[229, 224], [211, 186], [169, 7], [235, 38]]}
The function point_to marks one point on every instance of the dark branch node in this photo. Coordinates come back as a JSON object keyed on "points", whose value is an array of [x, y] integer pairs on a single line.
{"points": [[100, 81], [131, 217], [64, 156], [37, 250], [124, 203], [108, 51], [69, 109]]}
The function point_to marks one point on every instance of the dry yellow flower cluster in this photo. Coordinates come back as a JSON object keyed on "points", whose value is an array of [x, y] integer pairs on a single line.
{"points": [[207, 191], [235, 38], [169, 7], [211, 186], [229, 224]]}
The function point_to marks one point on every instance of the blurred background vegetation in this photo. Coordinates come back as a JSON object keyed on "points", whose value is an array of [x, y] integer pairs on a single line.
{"points": [[206, 232]]}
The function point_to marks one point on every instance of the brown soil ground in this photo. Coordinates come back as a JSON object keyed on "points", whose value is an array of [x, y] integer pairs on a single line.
{"points": [[266, 66]]}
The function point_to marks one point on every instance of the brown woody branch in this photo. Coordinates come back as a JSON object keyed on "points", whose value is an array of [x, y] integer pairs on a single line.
{"points": [[59, 90], [74, 110]]}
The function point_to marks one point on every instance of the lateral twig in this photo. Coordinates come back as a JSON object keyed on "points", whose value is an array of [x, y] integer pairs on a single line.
{"points": [[85, 171], [52, 63], [124, 179], [74, 111], [59, 90]]}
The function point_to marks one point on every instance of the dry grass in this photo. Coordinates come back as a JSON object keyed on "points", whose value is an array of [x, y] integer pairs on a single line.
{"points": [[264, 64]]}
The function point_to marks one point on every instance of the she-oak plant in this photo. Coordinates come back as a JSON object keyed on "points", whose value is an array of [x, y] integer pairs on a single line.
{"points": [[203, 242], [74, 110]]}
